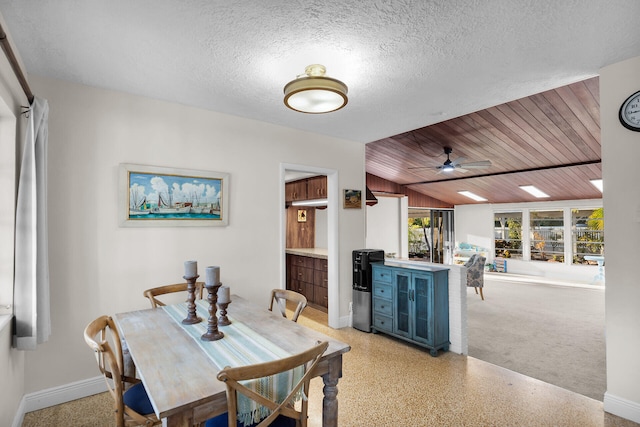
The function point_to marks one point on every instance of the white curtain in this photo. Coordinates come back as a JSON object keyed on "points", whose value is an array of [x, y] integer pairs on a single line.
{"points": [[31, 287]]}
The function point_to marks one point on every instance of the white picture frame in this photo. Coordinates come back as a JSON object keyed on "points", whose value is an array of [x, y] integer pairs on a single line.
{"points": [[155, 196]]}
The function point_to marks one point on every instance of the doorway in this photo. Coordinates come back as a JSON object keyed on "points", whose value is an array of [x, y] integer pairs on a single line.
{"points": [[329, 229], [431, 235]]}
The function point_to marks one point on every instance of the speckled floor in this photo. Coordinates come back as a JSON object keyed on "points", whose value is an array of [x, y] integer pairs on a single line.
{"points": [[387, 382]]}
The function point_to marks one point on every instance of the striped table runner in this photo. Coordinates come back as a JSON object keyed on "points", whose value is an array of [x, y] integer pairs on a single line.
{"points": [[240, 346]]}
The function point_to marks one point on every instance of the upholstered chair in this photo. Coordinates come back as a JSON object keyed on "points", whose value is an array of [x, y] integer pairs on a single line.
{"points": [[475, 272]]}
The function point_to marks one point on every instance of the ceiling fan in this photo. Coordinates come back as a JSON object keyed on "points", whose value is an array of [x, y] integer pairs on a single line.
{"points": [[457, 164]]}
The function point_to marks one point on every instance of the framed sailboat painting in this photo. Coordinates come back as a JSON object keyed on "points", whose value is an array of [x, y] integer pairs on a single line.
{"points": [[153, 196]]}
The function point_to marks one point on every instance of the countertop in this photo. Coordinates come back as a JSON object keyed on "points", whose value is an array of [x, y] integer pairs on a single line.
{"points": [[414, 265], [310, 252]]}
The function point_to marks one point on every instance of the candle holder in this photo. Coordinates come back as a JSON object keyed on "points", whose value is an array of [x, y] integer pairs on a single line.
{"points": [[192, 317], [212, 334], [223, 320]]}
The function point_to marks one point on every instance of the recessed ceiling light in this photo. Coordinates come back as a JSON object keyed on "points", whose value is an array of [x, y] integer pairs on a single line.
{"points": [[473, 196], [534, 191], [597, 183]]}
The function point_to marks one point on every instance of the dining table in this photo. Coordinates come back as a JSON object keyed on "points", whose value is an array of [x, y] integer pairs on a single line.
{"points": [[179, 369]]}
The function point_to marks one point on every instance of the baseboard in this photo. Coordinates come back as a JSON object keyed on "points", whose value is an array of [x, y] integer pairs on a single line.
{"points": [[344, 321], [64, 393], [622, 407], [19, 417]]}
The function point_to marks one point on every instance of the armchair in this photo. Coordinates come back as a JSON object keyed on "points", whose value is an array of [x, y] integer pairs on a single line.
{"points": [[475, 272]]}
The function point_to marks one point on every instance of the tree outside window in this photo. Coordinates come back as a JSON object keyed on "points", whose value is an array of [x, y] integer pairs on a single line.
{"points": [[547, 235], [587, 229], [508, 234]]}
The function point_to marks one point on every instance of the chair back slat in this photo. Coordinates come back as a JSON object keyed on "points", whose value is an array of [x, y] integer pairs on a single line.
{"points": [[234, 378], [280, 298], [153, 293]]}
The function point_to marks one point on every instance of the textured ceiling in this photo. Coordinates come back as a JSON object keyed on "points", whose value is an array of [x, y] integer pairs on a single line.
{"points": [[408, 63]]}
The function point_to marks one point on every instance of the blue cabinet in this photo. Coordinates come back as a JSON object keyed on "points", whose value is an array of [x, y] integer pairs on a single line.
{"points": [[413, 305]]}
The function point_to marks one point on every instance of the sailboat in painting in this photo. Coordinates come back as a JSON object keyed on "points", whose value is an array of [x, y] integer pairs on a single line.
{"points": [[165, 207], [137, 202]]}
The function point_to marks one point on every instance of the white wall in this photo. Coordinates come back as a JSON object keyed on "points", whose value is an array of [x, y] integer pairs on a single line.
{"points": [[99, 268], [322, 230], [620, 172], [387, 226], [474, 224]]}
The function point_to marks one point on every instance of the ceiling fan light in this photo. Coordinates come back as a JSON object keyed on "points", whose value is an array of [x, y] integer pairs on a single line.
{"points": [[314, 93]]}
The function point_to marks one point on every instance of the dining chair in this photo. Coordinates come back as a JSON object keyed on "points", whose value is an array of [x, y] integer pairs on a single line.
{"points": [[281, 296], [153, 293], [475, 273], [132, 406], [280, 410]]}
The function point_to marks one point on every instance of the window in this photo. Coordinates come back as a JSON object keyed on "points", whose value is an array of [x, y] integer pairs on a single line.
{"points": [[587, 229], [508, 234], [7, 209], [546, 232]]}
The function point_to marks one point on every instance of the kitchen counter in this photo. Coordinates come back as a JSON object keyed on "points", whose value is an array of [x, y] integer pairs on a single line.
{"points": [[414, 265], [321, 253]]}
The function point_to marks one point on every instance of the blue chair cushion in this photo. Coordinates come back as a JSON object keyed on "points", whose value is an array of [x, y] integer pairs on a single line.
{"points": [[136, 398], [223, 421]]}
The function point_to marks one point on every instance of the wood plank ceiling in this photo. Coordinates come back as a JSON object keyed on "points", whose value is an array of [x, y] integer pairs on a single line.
{"points": [[550, 140]]}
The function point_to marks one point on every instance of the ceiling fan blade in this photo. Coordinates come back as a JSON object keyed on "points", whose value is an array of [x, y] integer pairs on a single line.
{"points": [[457, 162], [482, 164], [422, 167]]}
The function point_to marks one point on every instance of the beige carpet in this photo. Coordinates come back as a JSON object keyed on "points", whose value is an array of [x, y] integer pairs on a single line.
{"points": [[546, 331]]}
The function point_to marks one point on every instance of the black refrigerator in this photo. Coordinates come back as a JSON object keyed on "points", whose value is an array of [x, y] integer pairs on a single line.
{"points": [[362, 280]]}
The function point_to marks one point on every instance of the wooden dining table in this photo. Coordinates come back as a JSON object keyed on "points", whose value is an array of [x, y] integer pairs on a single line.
{"points": [[180, 377]]}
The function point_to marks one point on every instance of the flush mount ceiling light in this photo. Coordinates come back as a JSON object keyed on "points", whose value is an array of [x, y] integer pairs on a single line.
{"points": [[314, 93]]}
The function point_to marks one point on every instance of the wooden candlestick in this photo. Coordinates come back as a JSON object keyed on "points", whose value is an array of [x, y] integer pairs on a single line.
{"points": [[212, 334], [223, 320], [192, 317]]}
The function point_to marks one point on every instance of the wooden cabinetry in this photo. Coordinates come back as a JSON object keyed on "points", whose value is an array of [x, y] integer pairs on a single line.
{"points": [[309, 276], [317, 187], [412, 305], [296, 190], [306, 189]]}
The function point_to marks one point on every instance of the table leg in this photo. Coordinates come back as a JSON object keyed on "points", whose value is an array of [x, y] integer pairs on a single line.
{"points": [[182, 419], [330, 390]]}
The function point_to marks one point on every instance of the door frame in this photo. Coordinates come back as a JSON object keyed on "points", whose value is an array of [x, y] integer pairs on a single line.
{"points": [[333, 309]]}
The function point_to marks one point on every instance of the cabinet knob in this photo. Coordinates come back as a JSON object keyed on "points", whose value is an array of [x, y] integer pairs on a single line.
{"points": [[382, 306]]}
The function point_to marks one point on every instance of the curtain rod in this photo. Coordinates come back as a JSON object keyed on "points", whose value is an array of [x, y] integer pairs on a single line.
{"points": [[17, 70]]}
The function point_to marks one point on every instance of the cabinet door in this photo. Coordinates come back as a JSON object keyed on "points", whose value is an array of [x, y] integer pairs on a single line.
{"points": [[320, 296], [402, 308], [296, 190], [422, 297], [317, 187]]}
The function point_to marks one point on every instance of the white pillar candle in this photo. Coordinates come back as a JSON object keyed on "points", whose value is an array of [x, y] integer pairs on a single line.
{"points": [[190, 268], [224, 295], [212, 276]]}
